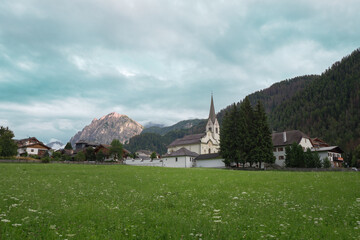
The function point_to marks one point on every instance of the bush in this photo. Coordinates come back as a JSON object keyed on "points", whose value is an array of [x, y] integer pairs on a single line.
{"points": [[45, 160], [326, 163]]}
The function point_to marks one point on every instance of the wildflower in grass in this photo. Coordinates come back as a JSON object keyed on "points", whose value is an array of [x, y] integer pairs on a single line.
{"points": [[235, 198], [52, 227], [5, 220], [216, 210], [244, 193], [358, 199], [16, 224], [32, 210], [217, 221]]}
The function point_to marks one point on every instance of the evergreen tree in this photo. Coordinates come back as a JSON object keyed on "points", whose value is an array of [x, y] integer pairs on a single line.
{"points": [[68, 146], [8, 146], [228, 136], [153, 155], [80, 156], [263, 149]]}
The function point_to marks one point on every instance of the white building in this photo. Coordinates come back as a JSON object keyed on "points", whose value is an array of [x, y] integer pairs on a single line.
{"points": [[333, 153], [182, 158], [32, 146], [282, 139]]}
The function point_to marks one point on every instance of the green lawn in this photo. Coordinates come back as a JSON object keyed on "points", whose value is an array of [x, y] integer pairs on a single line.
{"points": [[58, 201]]}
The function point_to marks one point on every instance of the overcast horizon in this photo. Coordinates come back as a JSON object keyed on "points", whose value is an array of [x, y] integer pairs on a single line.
{"points": [[65, 63]]}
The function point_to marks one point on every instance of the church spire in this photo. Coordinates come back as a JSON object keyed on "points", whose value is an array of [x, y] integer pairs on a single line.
{"points": [[212, 115]]}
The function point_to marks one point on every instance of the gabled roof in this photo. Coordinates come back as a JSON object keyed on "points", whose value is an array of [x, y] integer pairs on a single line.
{"points": [[189, 139], [33, 145], [328, 149], [182, 152], [291, 137], [208, 156]]}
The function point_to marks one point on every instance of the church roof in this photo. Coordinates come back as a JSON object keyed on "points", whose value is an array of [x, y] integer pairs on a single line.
{"points": [[182, 152], [291, 137], [189, 139], [212, 114]]}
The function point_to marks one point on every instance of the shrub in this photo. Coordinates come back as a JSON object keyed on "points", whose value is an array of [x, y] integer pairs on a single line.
{"points": [[45, 160], [326, 163]]}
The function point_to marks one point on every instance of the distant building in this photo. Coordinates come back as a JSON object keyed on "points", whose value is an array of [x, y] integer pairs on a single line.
{"points": [[81, 144], [333, 153], [32, 146], [282, 139]]}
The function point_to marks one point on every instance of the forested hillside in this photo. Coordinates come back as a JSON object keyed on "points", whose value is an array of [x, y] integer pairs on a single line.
{"points": [[276, 94], [328, 108], [186, 124]]}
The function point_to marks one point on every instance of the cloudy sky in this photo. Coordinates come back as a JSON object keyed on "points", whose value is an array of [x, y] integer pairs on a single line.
{"points": [[63, 63]]}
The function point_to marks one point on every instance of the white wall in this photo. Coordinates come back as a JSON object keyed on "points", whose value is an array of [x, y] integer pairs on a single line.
{"points": [[210, 163], [179, 162], [305, 144], [139, 162]]}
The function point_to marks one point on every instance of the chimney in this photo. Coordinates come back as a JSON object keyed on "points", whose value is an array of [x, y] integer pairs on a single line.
{"points": [[284, 135]]}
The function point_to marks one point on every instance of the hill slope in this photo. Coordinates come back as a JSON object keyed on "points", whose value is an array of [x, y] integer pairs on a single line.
{"points": [[186, 124], [107, 128], [328, 107]]}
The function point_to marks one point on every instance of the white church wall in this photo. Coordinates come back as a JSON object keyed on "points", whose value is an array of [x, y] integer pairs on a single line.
{"points": [[191, 147], [210, 163]]}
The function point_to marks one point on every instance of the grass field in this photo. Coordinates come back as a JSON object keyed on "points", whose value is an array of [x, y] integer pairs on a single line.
{"points": [[58, 201]]}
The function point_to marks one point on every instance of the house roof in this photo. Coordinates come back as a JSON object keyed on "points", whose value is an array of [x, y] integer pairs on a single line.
{"points": [[328, 149], [182, 152], [317, 142], [189, 139], [33, 145], [291, 137], [208, 156], [27, 141]]}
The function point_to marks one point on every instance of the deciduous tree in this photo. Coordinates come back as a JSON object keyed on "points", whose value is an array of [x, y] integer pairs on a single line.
{"points": [[8, 146]]}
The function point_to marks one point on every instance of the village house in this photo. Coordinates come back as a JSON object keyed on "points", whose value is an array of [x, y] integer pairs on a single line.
{"points": [[32, 146], [282, 139], [333, 153]]}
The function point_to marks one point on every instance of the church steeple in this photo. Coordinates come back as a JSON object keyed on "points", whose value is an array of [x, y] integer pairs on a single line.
{"points": [[212, 115]]}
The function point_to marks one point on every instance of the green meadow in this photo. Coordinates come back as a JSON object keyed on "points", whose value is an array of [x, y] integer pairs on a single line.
{"points": [[58, 201]]}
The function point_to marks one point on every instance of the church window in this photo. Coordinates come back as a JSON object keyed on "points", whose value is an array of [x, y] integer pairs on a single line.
{"points": [[176, 159], [209, 150], [216, 130], [210, 129]]}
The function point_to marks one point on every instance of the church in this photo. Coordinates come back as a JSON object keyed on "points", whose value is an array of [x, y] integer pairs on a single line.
{"points": [[198, 149]]}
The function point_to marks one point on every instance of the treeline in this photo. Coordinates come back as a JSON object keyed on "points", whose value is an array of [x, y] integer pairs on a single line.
{"points": [[245, 135]]}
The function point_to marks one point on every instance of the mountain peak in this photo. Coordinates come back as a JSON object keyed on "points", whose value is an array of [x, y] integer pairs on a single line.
{"points": [[109, 127]]}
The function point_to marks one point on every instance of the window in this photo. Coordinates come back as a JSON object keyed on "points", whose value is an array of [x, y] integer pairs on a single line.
{"points": [[216, 129], [176, 159], [274, 149], [209, 150], [281, 158], [32, 150], [210, 129], [280, 149]]}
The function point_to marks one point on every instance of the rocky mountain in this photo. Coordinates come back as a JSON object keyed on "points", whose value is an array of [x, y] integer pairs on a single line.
{"points": [[107, 128], [56, 145]]}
